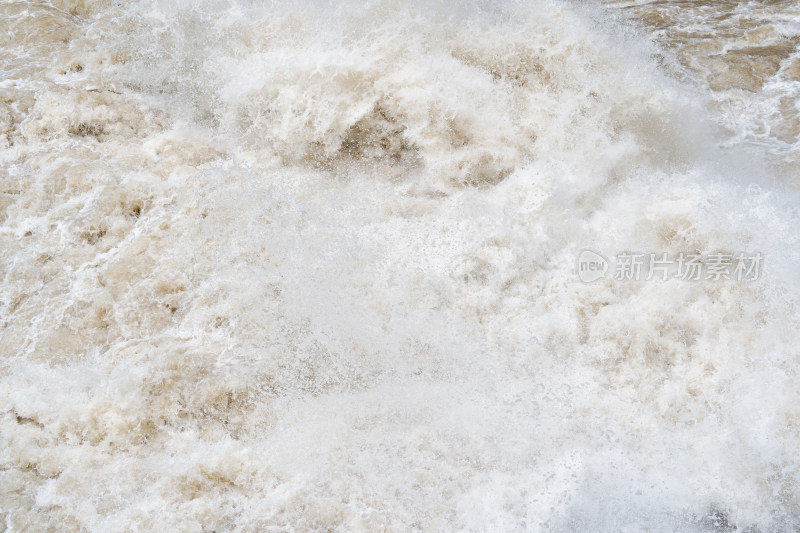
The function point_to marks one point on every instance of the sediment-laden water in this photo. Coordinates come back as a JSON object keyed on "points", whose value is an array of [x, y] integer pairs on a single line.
{"points": [[293, 266]]}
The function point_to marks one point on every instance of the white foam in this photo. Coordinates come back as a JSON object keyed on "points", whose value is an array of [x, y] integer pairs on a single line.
{"points": [[313, 267]]}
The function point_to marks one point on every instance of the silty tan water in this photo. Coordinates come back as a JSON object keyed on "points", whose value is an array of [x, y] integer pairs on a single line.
{"points": [[292, 266]]}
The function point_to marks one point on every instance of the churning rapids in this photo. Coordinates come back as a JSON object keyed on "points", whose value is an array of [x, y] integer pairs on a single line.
{"points": [[292, 266]]}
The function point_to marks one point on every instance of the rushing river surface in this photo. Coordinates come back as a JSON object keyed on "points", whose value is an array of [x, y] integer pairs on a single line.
{"points": [[311, 266]]}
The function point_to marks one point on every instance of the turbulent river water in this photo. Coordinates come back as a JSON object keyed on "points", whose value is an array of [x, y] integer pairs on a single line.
{"points": [[290, 266]]}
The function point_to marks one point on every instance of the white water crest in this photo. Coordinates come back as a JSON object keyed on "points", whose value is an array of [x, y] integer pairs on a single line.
{"points": [[310, 266]]}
